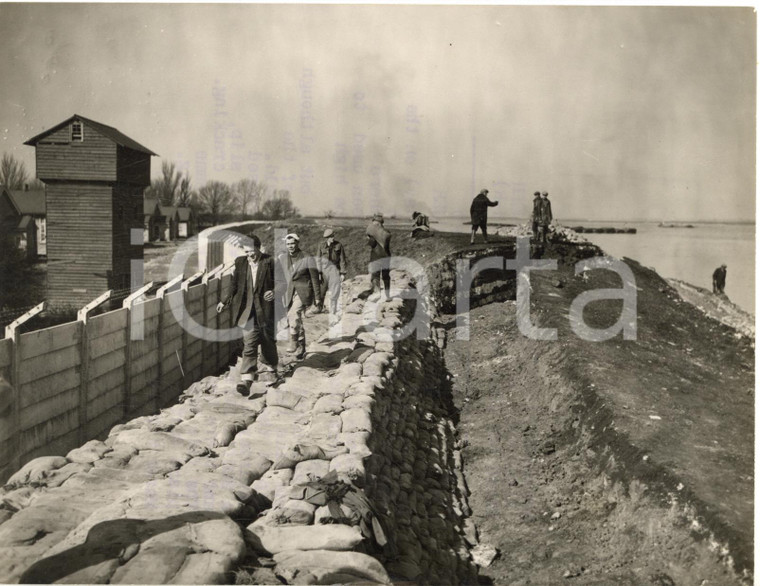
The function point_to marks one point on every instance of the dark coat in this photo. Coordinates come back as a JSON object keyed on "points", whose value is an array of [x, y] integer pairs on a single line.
{"points": [[719, 277], [335, 253], [479, 209], [536, 217], [379, 241], [264, 310], [546, 212], [301, 276]]}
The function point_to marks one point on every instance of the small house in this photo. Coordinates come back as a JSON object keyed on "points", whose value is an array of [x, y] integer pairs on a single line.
{"points": [[22, 213], [151, 220], [95, 177], [187, 226], [169, 223]]}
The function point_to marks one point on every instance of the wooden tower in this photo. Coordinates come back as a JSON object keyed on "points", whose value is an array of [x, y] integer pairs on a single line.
{"points": [[95, 178]]}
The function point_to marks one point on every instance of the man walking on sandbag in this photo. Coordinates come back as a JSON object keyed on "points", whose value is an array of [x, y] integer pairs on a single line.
{"points": [[301, 290], [546, 216], [252, 300], [479, 214], [331, 257], [379, 241]]}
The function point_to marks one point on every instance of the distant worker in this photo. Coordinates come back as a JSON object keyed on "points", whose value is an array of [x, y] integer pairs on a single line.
{"points": [[332, 265], [719, 279], [302, 280], [379, 241], [536, 214], [479, 214], [420, 226], [252, 301], [546, 216]]}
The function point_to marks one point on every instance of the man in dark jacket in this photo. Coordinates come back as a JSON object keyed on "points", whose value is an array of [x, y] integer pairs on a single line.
{"points": [[479, 214], [719, 279], [331, 258], [252, 301], [536, 215], [379, 241], [546, 216], [302, 280]]}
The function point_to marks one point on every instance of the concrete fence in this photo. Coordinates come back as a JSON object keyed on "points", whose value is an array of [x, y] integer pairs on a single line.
{"points": [[73, 382]]}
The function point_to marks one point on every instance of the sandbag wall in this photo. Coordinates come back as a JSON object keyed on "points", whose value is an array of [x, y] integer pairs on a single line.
{"points": [[347, 472], [382, 421], [489, 285]]}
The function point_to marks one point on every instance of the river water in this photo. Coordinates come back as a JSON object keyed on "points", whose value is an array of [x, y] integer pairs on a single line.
{"points": [[688, 254]]}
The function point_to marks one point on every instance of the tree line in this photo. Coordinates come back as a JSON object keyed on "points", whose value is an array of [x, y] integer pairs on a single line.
{"points": [[246, 198], [216, 200]]}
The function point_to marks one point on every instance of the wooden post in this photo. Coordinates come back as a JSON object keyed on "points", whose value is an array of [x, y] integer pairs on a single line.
{"points": [[128, 304], [185, 319], [160, 295], [12, 331], [84, 371]]}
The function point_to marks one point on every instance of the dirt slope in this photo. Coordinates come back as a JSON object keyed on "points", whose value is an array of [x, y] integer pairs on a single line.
{"points": [[616, 462]]}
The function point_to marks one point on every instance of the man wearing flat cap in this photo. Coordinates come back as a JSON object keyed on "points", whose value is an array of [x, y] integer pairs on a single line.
{"points": [[299, 290], [379, 241], [479, 214], [252, 301], [719, 279], [546, 216], [536, 214], [331, 260]]}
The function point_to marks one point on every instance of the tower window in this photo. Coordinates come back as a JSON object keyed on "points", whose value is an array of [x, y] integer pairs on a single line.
{"points": [[77, 132]]}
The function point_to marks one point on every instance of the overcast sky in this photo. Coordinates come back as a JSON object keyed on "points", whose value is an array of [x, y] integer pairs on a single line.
{"points": [[620, 113]]}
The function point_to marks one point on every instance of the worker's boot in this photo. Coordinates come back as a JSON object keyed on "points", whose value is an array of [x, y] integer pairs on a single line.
{"points": [[301, 348], [292, 344]]}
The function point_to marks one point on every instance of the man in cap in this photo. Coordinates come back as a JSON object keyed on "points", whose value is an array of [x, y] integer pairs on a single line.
{"points": [[302, 279], [331, 259], [546, 216], [536, 214], [379, 241], [479, 214], [719, 279], [420, 225], [252, 301]]}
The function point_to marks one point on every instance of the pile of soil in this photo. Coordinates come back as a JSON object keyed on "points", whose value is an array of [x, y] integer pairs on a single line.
{"points": [[608, 462]]}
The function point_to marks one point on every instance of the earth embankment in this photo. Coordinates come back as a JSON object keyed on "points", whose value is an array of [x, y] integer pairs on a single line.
{"points": [[624, 461]]}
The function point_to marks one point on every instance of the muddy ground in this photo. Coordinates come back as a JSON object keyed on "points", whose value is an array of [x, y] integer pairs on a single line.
{"points": [[618, 462]]}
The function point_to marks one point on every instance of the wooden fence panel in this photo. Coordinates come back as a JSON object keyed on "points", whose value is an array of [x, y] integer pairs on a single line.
{"points": [[7, 425], [225, 321]]}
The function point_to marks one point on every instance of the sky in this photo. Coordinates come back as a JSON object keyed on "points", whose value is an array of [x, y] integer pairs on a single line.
{"points": [[638, 113]]}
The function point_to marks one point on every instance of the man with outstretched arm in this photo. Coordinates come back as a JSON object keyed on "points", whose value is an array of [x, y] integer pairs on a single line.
{"points": [[252, 301], [479, 214]]}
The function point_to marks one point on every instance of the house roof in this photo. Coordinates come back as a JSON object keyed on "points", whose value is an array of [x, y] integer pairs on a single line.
{"points": [[168, 210], [184, 214], [109, 131], [149, 206], [16, 224], [28, 202]]}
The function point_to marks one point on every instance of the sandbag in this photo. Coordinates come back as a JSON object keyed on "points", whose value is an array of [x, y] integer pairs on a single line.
{"points": [[270, 540], [226, 432], [160, 441], [328, 567], [88, 453], [37, 470]]}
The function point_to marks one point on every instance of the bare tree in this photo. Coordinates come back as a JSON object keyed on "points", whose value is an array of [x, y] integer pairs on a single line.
{"points": [[167, 187], [184, 194], [279, 206], [215, 199], [248, 195], [13, 172]]}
